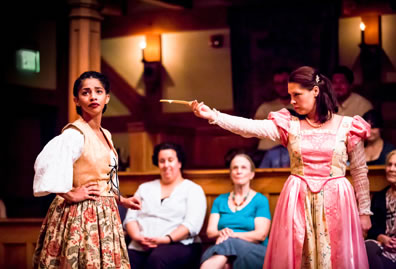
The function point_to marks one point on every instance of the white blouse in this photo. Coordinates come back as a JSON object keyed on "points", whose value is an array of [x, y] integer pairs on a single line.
{"points": [[185, 206], [54, 165]]}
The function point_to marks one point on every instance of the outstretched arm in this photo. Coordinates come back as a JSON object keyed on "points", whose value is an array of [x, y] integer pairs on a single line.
{"points": [[241, 126]]}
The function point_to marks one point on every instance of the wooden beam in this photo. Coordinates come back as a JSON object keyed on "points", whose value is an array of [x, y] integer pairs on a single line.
{"points": [[164, 4], [124, 92], [165, 21]]}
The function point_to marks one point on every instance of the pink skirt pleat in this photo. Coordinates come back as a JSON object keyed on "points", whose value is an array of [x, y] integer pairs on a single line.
{"points": [[286, 238]]}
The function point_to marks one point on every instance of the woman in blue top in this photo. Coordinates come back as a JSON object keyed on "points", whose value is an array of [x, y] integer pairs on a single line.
{"points": [[239, 221]]}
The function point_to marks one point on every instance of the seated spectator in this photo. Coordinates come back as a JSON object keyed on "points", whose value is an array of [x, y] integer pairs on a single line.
{"points": [[164, 232], [350, 103], [277, 157], [381, 243], [375, 147], [280, 80], [239, 221]]}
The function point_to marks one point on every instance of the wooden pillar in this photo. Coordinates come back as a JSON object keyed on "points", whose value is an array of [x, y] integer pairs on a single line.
{"points": [[84, 47], [142, 144]]}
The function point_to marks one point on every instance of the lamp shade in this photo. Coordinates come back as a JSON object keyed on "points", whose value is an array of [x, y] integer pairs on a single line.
{"points": [[152, 51]]}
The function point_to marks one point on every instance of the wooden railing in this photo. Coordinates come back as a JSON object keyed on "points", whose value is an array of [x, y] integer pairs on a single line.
{"points": [[18, 236], [215, 182]]}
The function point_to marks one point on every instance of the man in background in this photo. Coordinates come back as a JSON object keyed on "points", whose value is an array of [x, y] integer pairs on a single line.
{"points": [[350, 103], [280, 80]]}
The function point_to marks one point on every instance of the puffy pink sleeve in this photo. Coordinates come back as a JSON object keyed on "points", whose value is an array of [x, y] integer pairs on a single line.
{"points": [[281, 119], [359, 131]]}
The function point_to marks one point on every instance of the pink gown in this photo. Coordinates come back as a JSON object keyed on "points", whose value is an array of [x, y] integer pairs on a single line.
{"points": [[316, 222]]}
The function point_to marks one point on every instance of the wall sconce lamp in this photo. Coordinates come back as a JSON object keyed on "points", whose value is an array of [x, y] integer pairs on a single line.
{"points": [[362, 28], [370, 48], [151, 58], [151, 48], [370, 28], [142, 46]]}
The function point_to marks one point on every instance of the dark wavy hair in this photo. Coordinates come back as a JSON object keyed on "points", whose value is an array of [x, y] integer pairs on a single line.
{"points": [[326, 101], [90, 74], [346, 72], [374, 118], [181, 157]]}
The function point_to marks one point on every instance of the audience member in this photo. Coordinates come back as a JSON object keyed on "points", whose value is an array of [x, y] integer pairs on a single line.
{"points": [[381, 243], [277, 157], [375, 147], [173, 209], [350, 103], [239, 221], [280, 79]]}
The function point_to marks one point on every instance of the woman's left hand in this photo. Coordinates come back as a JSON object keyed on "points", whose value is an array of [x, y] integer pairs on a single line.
{"points": [[131, 202], [365, 222]]}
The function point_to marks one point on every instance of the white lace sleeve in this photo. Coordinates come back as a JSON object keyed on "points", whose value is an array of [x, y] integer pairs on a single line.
{"points": [[247, 127], [54, 165]]}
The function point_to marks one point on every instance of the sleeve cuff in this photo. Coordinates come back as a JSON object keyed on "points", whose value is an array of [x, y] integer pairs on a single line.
{"points": [[216, 119]]}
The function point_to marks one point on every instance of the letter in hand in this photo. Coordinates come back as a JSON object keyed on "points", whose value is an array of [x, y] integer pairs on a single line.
{"points": [[201, 110]]}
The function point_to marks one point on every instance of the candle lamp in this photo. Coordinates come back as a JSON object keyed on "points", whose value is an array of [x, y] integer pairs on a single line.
{"points": [[142, 46], [362, 28]]}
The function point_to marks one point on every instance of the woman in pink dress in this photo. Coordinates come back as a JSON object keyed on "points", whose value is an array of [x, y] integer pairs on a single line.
{"points": [[317, 222]]}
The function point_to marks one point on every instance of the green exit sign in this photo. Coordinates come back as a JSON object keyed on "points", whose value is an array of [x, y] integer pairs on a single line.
{"points": [[28, 60]]}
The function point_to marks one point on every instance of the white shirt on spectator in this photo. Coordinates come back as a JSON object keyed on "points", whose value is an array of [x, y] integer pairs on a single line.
{"points": [[185, 206]]}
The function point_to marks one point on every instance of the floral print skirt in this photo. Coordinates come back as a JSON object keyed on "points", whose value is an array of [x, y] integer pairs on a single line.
{"points": [[87, 234], [316, 249]]}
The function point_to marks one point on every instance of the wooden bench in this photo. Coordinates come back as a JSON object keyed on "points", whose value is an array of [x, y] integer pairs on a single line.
{"points": [[18, 236]]}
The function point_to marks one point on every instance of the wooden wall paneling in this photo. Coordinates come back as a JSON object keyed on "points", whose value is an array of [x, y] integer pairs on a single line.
{"points": [[18, 238], [141, 145]]}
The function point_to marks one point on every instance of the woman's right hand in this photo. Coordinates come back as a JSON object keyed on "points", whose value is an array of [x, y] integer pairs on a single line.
{"points": [[89, 191], [145, 242], [203, 111], [389, 243], [224, 234]]}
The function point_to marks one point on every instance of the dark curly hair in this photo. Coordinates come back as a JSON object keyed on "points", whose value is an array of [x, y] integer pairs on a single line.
{"points": [[181, 157], [90, 74]]}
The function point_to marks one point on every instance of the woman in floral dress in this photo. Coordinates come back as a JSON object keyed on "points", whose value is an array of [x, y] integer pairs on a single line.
{"points": [[82, 228], [317, 222]]}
